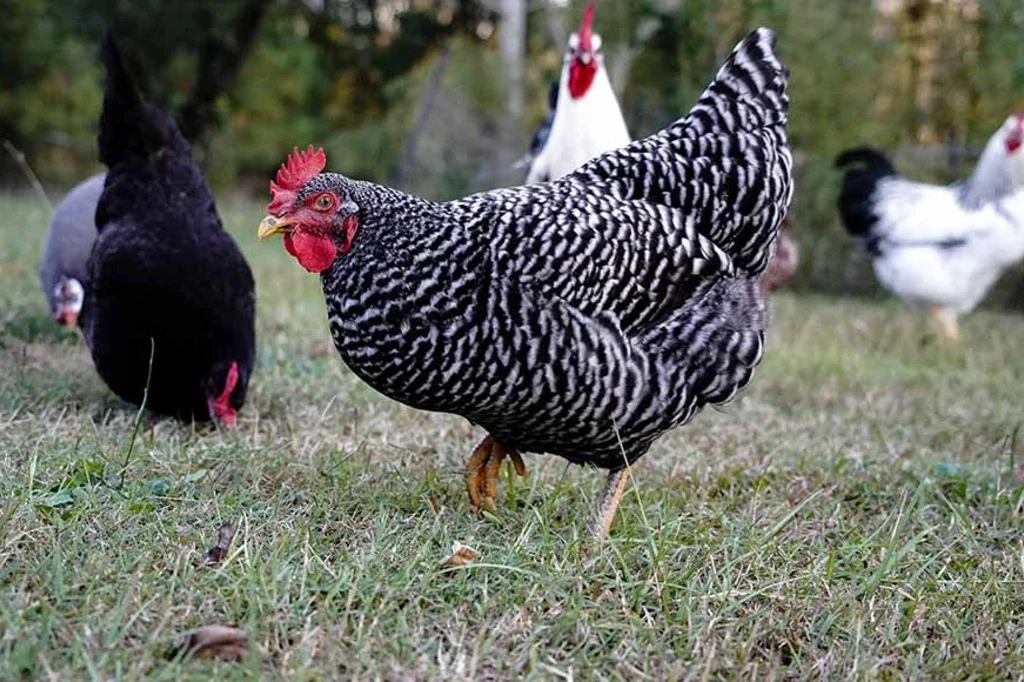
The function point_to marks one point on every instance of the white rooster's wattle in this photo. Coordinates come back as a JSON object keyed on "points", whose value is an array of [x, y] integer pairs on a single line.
{"points": [[587, 120], [940, 247]]}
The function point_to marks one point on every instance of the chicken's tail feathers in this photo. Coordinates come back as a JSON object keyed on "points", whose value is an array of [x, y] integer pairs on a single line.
{"points": [[752, 74], [727, 163], [870, 159], [129, 126], [742, 119], [753, 69], [863, 167], [720, 338]]}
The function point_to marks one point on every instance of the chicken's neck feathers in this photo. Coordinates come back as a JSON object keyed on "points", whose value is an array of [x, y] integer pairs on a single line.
{"points": [[584, 128], [996, 176]]}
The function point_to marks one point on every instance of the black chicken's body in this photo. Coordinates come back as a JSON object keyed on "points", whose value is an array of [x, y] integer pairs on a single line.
{"points": [[163, 268], [587, 316]]}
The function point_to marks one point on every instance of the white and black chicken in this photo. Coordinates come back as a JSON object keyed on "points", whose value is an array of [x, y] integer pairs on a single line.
{"points": [[936, 246], [582, 317]]}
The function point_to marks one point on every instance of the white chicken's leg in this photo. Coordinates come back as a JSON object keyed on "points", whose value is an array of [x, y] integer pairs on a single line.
{"points": [[946, 319], [604, 512]]}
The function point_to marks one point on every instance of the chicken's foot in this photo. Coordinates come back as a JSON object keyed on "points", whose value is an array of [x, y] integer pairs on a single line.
{"points": [[482, 472]]}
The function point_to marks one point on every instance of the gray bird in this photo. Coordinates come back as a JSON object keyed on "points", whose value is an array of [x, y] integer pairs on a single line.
{"points": [[62, 272]]}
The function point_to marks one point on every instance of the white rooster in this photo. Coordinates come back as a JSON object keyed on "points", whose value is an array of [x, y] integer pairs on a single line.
{"points": [[935, 246], [587, 119]]}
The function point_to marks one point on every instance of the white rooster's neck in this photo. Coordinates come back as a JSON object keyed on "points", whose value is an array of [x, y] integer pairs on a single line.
{"points": [[997, 175], [587, 127]]}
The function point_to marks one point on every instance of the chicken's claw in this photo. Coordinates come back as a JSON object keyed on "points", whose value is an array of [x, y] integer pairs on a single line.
{"points": [[482, 473]]}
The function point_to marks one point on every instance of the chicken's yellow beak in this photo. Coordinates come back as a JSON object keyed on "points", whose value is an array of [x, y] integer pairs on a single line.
{"points": [[270, 226]]}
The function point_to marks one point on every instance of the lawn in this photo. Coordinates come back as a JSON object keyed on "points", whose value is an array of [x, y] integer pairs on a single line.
{"points": [[857, 513]]}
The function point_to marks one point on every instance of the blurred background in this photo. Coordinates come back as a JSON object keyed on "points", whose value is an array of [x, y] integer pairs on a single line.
{"points": [[441, 97]]}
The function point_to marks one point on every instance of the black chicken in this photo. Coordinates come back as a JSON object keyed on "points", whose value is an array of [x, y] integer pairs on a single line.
{"points": [[582, 317], [164, 275]]}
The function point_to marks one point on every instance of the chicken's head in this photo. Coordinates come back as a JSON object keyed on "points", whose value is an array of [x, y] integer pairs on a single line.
{"points": [[312, 210], [583, 55], [68, 296], [1015, 133], [225, 393]]}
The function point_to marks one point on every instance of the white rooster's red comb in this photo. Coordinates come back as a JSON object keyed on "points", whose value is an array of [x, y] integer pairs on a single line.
{"points": [[300, 168], [1015, 138], [586, 32]]}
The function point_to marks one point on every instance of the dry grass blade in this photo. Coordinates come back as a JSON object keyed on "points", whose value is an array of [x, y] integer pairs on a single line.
{"points": [[37, 186]]}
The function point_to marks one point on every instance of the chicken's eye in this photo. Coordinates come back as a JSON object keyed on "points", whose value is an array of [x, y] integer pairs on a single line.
{"points": [[323, 202]]}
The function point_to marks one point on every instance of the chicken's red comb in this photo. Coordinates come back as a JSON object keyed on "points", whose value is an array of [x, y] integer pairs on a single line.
{"points": [[1015, 138], [300, 168], [586, 31]]}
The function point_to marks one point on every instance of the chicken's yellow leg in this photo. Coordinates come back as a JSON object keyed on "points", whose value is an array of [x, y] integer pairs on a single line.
{"points": [[947, 324], [482, 472], [604, 512]]}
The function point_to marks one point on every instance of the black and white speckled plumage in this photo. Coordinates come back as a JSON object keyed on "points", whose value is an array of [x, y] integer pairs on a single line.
{"points": [[587, 316]]}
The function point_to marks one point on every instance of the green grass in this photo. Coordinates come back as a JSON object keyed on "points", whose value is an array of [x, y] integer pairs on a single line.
{"points": [[857, 513]]}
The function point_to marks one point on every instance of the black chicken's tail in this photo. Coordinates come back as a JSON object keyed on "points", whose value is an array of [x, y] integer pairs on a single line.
{"points": [[864, 168], [130, 127], [540, 138]]}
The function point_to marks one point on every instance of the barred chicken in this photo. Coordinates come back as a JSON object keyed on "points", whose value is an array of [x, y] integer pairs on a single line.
{"points": [[582, 317]]}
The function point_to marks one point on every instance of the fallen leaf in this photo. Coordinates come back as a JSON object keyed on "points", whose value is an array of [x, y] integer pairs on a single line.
{"points": [[461, 556], [218, 642], [196, 476], [216, 554]]}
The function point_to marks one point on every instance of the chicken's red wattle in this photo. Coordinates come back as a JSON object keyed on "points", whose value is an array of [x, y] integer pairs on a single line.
{"points": [[314, 252], [581, 76]]}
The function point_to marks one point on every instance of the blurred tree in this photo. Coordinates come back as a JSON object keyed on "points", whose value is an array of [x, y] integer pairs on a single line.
{"points": [[190, 51], [49, 94], [513, 53], [416, 91], [221, 55]]}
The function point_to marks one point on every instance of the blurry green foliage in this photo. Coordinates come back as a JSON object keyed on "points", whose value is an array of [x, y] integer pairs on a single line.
{"points": [[366, 79]]}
